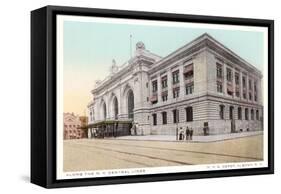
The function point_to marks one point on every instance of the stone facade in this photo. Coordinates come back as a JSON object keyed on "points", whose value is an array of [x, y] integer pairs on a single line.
{"points": [[202, 83]]}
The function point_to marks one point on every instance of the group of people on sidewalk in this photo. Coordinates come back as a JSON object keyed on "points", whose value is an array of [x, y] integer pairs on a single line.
{"points": [[185, 135]]}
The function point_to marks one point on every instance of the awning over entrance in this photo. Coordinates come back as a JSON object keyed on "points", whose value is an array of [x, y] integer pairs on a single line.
{"points": [[110, 128]]}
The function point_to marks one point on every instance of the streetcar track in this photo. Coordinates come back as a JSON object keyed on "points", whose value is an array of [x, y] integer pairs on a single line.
{"points": [[187, 151], [137, 154], [139, 163]]}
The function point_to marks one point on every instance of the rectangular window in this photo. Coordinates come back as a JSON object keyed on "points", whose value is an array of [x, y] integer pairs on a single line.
{"points": [[229, 89], [188, 72], [239, 113], [246, 114], [255, 86], [164, 118], [164, 97], [252, 114], [228, 75], [231, 109], [189, 88], [250, 96], [244, 82], [189, 114], [257, 115], [219, 87], [176, 92], [244, 95], [256, 91], [237, 92], [175, 76], [237, 78], [221, 111], [250, 84], [164, 82], [219, 71], [154, 86], [154, 117], [176, 116]]}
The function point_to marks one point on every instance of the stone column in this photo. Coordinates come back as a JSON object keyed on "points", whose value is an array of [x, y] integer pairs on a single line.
{"points": [[241, 84], [224, 84], [121, 102], [233, 82], [108, 112], [169, 82], [181, 79], [247, 90], [259, 91], [159, 87], [98, 109]]}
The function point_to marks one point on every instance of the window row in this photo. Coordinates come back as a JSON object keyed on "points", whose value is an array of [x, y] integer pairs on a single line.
{"points": [[254, 114], [73, 132], [189, 89], [230, 89], [71, 126], [188, 78], [175, 115]]}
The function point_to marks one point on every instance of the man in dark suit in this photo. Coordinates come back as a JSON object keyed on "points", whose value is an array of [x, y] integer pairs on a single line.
{"points": [[187, 132], [191, 133]]}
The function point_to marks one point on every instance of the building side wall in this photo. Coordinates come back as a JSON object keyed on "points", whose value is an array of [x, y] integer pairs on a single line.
{"points": [[206, 111]]}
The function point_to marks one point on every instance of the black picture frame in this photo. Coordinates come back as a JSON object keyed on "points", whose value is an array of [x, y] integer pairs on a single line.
{"points": [[43, 95]]}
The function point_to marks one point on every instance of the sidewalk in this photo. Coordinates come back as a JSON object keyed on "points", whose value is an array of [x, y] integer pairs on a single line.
{"points": [[210, 138]]}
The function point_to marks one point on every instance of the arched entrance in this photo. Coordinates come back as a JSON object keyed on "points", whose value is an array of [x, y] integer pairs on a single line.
{"points": [[115, 108], [104, 110], [130, 104]]}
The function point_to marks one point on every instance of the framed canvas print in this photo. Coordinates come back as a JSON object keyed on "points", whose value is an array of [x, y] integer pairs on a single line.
{"points": [[125, 96]]}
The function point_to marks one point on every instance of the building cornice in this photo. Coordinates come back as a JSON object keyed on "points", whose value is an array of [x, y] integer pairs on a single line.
{"points": [[191, 49], [203, 41], [234, 59]]}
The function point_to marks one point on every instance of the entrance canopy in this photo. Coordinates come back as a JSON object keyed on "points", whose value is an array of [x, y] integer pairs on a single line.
{"points": [[108, 122], [111, 128]]}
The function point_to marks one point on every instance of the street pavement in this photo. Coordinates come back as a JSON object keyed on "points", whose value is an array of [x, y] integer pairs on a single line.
{"points": [[208, 138], [104, 154]]}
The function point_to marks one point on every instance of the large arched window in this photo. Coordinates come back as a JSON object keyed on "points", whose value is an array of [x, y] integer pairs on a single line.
{"points": [[104, 111], [130, 104], [91, 117], [115, 108]]}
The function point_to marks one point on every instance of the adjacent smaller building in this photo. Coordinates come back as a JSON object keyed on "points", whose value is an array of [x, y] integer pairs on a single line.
{"points": [[74, 126]]}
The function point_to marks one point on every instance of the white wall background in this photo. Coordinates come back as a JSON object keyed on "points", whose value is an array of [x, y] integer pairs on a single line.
{"points": [[15, 94]]}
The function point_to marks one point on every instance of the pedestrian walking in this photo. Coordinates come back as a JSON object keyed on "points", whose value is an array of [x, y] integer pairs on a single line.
{"points": [[181, 134], [187, 132], [191, 134]]}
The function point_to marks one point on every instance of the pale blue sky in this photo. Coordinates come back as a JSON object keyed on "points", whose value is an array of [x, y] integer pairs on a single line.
{"points": [[90, 47]]}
